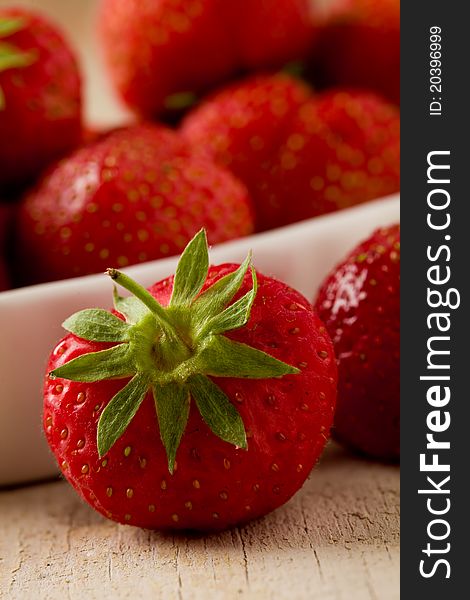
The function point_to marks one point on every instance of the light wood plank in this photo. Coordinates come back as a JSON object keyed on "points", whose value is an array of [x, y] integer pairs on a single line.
{"points": [[337, 539]]}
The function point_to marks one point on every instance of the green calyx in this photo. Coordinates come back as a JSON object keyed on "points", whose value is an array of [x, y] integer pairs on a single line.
{"points": [[173, 351], [12, 57], [180, 101]]}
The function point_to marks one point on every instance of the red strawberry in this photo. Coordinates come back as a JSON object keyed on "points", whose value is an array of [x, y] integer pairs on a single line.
{"points": [[300, 157], [40, 102], [343, 149], [272, 32], [136, 195], [361, 47], [93, 134], [163, 52], [221, 449], [242, 128], [360, 305]]}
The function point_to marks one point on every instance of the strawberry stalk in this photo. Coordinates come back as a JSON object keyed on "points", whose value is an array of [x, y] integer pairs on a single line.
{"points": [[173, 352], [148, 300]]}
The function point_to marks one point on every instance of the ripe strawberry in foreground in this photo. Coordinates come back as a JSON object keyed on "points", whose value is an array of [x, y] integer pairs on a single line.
{"points": [[136, 195], [40, 99], [205, 405], [360, 305], [361, 47], [163, 53], [300, 156]]}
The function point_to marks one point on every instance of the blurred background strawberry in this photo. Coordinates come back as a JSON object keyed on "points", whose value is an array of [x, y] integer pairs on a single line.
{"points": [[138, 194], [40, 96], [162, 54], [360, 46]]}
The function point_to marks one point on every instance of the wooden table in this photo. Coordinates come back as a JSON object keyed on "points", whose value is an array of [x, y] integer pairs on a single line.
{"points": [[337, 539]]}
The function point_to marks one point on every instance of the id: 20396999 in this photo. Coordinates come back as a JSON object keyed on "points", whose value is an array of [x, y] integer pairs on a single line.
{"points": [[435, 70]]}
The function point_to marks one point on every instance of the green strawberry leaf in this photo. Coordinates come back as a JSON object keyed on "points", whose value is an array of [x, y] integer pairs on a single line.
{"points": [[113, 363], [10, 25], [217, 411], [191, 271], [131, 307], [12, 58], [180, 100], [97, 325], [296, 69], [219, 295], [172, 405], [222, 357], [120, 411], [234, 316]]}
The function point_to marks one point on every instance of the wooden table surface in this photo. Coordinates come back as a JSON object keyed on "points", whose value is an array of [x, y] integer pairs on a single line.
{"points": [[337, 539]]}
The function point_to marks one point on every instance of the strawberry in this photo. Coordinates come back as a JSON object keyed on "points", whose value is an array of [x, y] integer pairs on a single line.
{"points": [[270, 33], [343, 149], [300, 156], [136, 195], [360, 306], [40, 99], [163, 53], [204, 403], [92, 134], [242, 128], [360, 47]]}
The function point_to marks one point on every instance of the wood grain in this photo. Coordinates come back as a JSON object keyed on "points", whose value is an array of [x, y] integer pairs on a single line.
{"points": [[337, 539]]}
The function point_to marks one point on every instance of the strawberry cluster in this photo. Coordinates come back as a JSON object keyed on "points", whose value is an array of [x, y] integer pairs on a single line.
{"points": [[234, 157], [206, 400]]}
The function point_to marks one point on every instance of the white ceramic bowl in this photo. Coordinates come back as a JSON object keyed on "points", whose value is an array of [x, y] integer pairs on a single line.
{"points": [[30, 318]]}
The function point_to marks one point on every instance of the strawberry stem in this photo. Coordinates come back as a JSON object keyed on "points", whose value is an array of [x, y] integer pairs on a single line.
{"points": [[145, 297]]}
